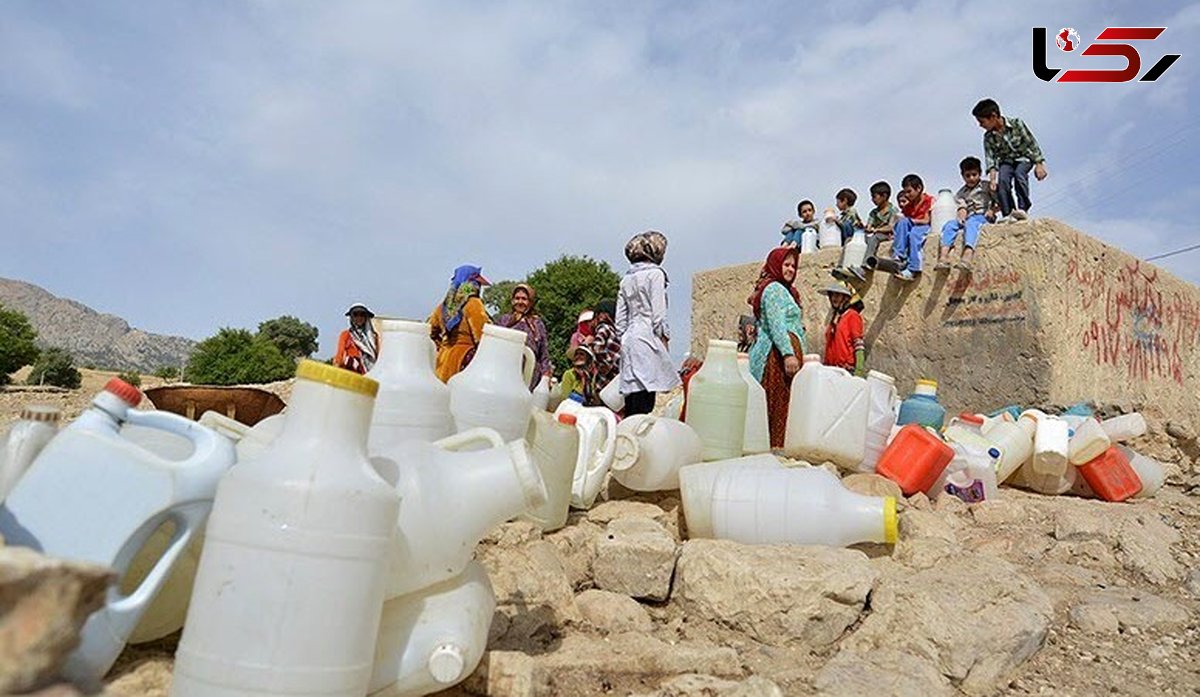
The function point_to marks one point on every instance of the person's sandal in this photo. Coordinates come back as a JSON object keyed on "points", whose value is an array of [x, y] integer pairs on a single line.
{"points": [[942, 266]]}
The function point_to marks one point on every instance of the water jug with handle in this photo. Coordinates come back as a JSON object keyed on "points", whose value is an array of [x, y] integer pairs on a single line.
{"points": [[289, 592], [809, 240], [881, 416], [922, 407], [827, 416], [757, 437], [1052, 484], [1124, 427], [716, 402], [970, 476], [611, 395], [1111, 476], [541, 394], [1051, 443], [797, 505], [1151, 473], [1088, 441], [1013, 440], [93, 496], [554, 446], [696, 489], [830, 233], [493, 392], [651, 450], [945, 209], [24, 441], [597, 427], [915, 459], [412, 403], [854, 254], [454, 491]]}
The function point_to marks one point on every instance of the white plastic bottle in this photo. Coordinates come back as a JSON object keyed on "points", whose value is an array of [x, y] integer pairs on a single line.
{"points": [[541, 394], [1088, 442], [944, 210], [809, 239], [1015, 442], [881, 416], [971, 475], [1125, 427], [716, 402], [855, 251], [1151, 472], [830, 233], [554, 446], [23, 441], [651, 450], [696, 489], [611, 395], [757, 438], [597, 428], [1051, 443], [412, 403], [797, 505], [289, 592], [827, 416], [492, 392]]}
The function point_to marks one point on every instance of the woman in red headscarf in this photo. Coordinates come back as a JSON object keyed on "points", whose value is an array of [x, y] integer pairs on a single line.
{"points": [[775, 356]]}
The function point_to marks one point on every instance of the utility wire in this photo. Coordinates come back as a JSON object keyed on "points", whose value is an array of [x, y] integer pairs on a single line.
{"points": [[1171, 254]]}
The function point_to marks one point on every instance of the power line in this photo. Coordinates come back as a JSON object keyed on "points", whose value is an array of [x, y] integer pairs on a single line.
{"points": [[1171, 254]]}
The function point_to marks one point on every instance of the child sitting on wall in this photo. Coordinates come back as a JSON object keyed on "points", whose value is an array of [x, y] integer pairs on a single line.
{"points": [[911, 230], [976, 206], [793, 230]]}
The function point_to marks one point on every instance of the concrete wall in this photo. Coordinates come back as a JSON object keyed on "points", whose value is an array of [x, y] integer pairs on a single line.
{"points": [[1049, 316]]}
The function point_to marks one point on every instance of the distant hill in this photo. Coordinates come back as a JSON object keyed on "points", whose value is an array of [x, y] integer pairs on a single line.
{"points": [[97, 339]]}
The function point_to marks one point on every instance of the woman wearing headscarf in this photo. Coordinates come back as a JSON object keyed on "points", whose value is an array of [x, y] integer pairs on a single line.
{"points": [[583, 330], [457, 323], [641, 324], [775, 356], [358, 346], [524, 316], [606, 343]]}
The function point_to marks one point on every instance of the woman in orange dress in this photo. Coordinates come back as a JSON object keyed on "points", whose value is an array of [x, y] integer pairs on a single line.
{"points": [[358, 346], [457, 323]]}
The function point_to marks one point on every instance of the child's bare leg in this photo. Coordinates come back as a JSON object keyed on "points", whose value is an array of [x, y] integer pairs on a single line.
{"points": [[968, 254]]}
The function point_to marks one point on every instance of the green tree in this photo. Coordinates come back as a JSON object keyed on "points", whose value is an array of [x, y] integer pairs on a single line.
{"points": [[294, 338], [237, 357], [132, 377], [167, 372], [56, 367], [17, 343], [565, 287], [497, 298]]}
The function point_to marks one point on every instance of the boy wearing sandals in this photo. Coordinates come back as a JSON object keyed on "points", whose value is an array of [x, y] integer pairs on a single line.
{"points": [[976, 206]]}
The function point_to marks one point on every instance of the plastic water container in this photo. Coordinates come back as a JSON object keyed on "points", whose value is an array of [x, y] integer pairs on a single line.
{"points": [[809, 240], [611, 395], [93, 496], [1150, 472], [493, 392], [1011, 412], [24, 441], [289, 592], [797, 505], [412, 402], [1124, 427], [453, 493], [716, 402], [854, 254], [554, 446], [597, 427], [1049, 484], [915, 459], [757, 438], [827, 416], [881, 395], [556, 395], [922, 407], [1111, 476], [541, 394], [696, 489], [434, 638], [651, 450], [970, 476], [1015, 442], [830, 233], [1088, 442], [674, 407], [964, 427], [945, 209], [1051, 443]]}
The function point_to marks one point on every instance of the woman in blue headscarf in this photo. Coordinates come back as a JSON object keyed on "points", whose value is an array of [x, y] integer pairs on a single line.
{"points": [[457, 323]]}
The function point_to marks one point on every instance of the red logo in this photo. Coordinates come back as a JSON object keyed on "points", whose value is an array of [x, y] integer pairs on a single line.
{"points": [[1068, 40]]}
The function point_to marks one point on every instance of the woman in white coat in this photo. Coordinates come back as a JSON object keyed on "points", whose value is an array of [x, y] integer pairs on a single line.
{"points": [[642, 324]]}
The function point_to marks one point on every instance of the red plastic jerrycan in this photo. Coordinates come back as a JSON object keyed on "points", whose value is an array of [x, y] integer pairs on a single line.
{"points": [[915, 459], [1111, 476]]}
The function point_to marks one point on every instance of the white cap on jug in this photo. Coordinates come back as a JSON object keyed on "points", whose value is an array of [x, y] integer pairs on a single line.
{"points": [[446, 663]]}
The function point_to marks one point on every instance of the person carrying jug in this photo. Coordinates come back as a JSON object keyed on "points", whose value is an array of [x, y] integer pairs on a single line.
{"points": [[775, 355], [358, 346], [605, 343], [641, 323], [456, 324], [844, 345], [524, 316]]}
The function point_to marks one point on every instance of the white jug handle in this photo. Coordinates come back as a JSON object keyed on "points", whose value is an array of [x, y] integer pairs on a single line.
{"points": [[471, 436], [645, 425], [609, 447], [212, 453], [529, 365]]}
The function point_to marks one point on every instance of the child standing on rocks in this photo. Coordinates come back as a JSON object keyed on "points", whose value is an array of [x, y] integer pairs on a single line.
{"points": [[1010, 151], [917, 206], [975, 207]]}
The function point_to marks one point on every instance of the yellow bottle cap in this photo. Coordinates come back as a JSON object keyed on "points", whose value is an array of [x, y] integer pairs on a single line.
{"points": [[891, 530], [336, 377], [928, 382]]}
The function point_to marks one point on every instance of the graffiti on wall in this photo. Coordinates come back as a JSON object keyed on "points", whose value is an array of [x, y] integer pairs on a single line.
{"points": [[990, 296]]}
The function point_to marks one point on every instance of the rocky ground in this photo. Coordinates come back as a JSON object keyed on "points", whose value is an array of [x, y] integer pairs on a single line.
{"points": [[1027, 595]]}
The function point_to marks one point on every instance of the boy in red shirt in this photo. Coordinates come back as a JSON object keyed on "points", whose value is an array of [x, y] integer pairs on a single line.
{"points": [[844, 346], [913, 227]]}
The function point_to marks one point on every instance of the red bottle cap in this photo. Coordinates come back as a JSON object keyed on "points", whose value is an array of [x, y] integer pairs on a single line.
{"points": [[971, 418], [568, 419], [128, 393]]}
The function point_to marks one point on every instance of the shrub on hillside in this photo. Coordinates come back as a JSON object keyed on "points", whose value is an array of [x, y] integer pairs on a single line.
{"points": [[237, 357], [294, 337], [132, 377], [17, 347], [56, 367], [167, 372]]}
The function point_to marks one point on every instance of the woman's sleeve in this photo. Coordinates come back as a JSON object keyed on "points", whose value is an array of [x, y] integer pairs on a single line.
{"points": [[775, 318], [658, 306], [622, 318], [543, 350], [475, 316]]}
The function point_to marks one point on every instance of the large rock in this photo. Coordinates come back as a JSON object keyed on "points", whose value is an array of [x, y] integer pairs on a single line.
{"points": [[1138, 538], [882, 672], [613, 612], [696, 685], [777, 594], [43, 605], [1111, 610], [606, 512], [576, 545], [635, 556], [533, 592]]}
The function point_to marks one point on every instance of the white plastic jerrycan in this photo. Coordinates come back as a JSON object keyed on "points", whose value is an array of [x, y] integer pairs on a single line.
{"points": [[93, 496], [1125, 427], [493, 392], [831, 234], [412, 403], [797, 505], [1051, 443], [289, 592], [650, 450], [597, 428], [716, 402], [541, 394], [757, 438], [1015, 442], [554, 446], [611, 395], [881, 416], [434, 638], [696, 489], [971, 475], [1088, 441], [451, 499], [24, 441], [1151, 472], [855, 251], [827, 416], [945, 209]]}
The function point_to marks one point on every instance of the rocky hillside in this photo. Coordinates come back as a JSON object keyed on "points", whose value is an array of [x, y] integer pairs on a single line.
{"points": [[94, 338]]}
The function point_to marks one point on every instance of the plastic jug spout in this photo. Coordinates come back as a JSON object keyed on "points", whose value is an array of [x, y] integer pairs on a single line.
{"points": [[446, 663]]}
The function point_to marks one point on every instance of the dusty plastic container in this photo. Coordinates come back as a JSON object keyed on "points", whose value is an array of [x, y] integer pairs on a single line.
{"points": [[830, 235], [809, 240], [556, 395], [716, 402], [433, 639], [1051, 443], [1088, 442], [922, 408], [453, 493], [945, 209], [915, 459], [650, 451], [971, 475], [757, 438], [1124, 427], [964, 427], [541, 394], [881, 396], [597, 427], [289, 592], [493, 392], [854, 253], [412, 402], [554, 446], [1111, 476], [94, 496], [23, 442], [827, 416], [797, 505], [674, 407], [696, 489], [611, 395], [1015, 442], [1150, 472]]}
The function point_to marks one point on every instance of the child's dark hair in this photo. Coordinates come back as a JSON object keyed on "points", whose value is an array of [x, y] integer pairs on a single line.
{"points": [[802, 204], [985, 108], [912, 181], [970, 164], [881, 189], [848, 196]]}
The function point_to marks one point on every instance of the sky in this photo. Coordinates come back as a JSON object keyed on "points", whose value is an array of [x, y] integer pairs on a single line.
{"points": [[189, 166]]}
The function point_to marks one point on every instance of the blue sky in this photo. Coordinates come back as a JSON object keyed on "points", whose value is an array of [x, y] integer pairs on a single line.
{"points": [[194, 165]]}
